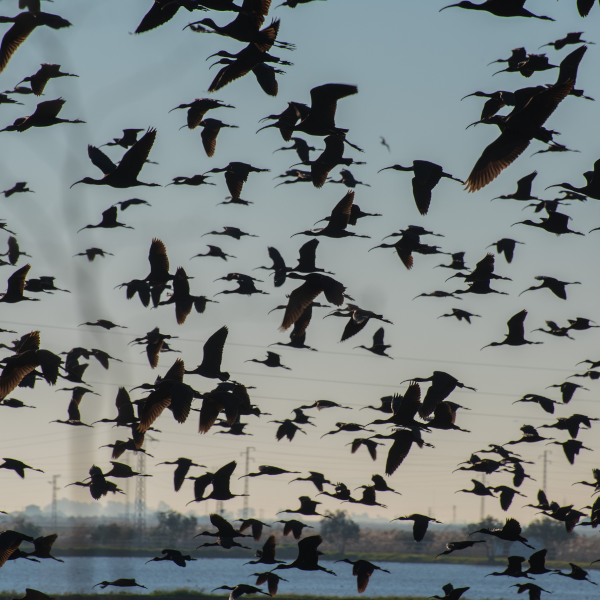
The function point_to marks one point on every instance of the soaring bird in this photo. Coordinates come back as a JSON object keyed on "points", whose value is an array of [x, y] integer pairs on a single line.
{"points": [[23, 24], [125, 174], [426, 176], [533, 108], [45, 115], [516, 332], [212, 356]]}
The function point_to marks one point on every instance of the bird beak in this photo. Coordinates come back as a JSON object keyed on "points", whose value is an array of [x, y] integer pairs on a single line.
{"points": [[386, 168], [449, 6], [475, 123], [468, 95], [81, 181]]}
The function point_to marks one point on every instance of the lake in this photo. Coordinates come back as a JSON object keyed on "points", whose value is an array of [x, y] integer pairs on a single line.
{"points": [[79, 574]]}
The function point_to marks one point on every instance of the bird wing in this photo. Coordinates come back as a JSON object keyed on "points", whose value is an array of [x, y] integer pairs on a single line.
{"points": [[299, 299], [16, 282], [133, 160], [49, 109], [324, 102], [420, 529], [182, 396], [100, 160], [495, 158], [275, 256], [352, 328], [213, 349], [378, 337], [512, 527], [265, 75], [177, 371], [124, 406], [212, 406], [516, 324], [333, 290], [222, 477], [308, 253], [15, 36], [159, 261], [397, 453], [209, 137], [73, 410], [155, 403], [340, 215], [223, 525], [162, 11], [268, 549], [584, 7], [524, 184]]}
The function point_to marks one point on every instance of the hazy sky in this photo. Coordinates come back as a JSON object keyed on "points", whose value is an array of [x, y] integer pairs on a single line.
{"points": [[412, 66]]}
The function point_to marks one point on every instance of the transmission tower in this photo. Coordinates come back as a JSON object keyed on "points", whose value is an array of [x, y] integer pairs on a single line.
{"points": [[247, 481], [545, 472], [54, 499], [140, 498]]}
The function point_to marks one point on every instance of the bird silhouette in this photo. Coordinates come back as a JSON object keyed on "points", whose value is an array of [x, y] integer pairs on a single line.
{"points": [[109, 221], [23, 25], [516, 332], [554, 285], [45, 115], [125, 174], [500, 8], [426, 176], [526, 121], [273, 360], [378, 347], [212, 356]]}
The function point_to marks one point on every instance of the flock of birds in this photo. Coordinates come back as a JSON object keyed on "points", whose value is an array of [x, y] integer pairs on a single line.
{"points": [[411, 416]]}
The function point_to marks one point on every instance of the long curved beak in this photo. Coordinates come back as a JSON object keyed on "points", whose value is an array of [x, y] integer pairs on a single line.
{"points": [[81, 181], [449, 6], [472, 124], [467, 96]]}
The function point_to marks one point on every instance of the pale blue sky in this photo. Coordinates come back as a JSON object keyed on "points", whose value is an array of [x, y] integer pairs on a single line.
{"points": [[412, 65]]}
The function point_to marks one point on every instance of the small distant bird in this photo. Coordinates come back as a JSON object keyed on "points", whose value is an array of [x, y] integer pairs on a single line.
{"points": [[570, 38], [45, 115], [516, 332], [273, 360], [91, 253], [420, 524], [426, 176], [378, 347], [18, 467], [128, 139], [19, 188], [362, 570], [454, 546], [121, 583], [460, 315], [109, 221], [125, 174], [554, 285], [577, 574], [506, 246], [104, 324], [174, 556], [125, 204], [46, 72]]}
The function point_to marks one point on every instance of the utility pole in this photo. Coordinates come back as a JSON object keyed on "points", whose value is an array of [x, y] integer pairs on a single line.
{"points": [[140, 498], [247, 481], [127, 491], [545, 472], [54, 499]]}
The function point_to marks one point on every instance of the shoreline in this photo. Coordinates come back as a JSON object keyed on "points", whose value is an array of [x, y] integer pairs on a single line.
{"points": [[186, 594]]}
